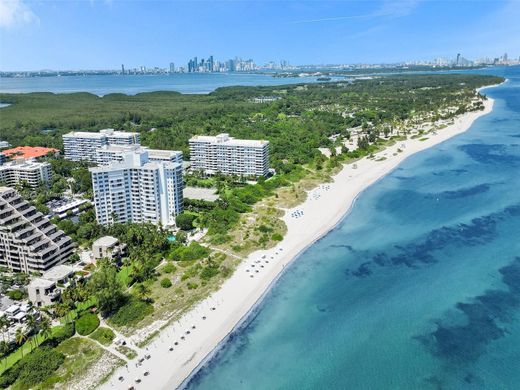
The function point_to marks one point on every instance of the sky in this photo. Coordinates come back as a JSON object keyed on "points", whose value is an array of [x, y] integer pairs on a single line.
{"points": [[103, 34]]}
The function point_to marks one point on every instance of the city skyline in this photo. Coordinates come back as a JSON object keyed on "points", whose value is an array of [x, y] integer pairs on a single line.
{"points": [[237, 64], [96, 35]]}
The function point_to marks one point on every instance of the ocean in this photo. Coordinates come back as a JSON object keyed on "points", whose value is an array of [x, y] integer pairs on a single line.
{"points": [[417, 288], [133, 84]]}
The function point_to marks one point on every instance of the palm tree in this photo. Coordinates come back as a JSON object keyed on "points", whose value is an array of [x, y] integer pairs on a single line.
{"points": [[20, 337], [32, 325], [4, 323], [142, 291], [45, 327]]}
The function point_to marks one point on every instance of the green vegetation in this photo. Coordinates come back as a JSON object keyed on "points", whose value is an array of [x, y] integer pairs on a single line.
{"points": [[131, 313], [36, 367], [83, 357], [128, 352], [192, 252], [103, 335], [185, 220], [87, 323], [106, 288], [169, 268], [166, 283], [17, 295]]}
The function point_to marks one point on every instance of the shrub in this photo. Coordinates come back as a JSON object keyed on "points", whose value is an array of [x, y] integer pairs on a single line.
{"points": [[131, 313], [166, 283], [265, 229], [209, 271], [191, 272], [192, 286], [87, 323], [194, 251], [17, 295], [169, 268], [103, 335], [277, 237], [185, 220], [34, 368]]}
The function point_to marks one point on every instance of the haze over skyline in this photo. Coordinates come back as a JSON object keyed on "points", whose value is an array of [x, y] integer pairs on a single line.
{"points": [[99, 34]]}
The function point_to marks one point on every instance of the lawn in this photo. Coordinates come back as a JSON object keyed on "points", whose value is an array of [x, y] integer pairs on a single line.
{"points": [[24, 350], [103, 335]]}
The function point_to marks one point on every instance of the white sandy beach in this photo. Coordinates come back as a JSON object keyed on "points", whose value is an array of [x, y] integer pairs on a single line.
{"points": [[212, 320]]}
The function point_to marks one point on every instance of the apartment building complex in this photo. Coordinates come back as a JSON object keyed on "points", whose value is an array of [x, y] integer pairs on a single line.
{"points": [[115, 153], [82, 145], [20, 170], [28, 241], [227, 155], [137, 190]]}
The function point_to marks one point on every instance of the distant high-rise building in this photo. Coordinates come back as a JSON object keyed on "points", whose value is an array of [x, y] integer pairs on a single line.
{"points": [[458, 59], [230, 64], [172, 67], [122, 69], [210, 61]]}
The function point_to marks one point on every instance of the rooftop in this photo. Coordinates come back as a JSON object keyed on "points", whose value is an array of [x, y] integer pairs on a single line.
{"points": [[225, 139], [105, 241], [133, 160], [58, 272], [163, 153], [13, 309], [101, 134], [22, 163], [29, 151], [41, 283]]}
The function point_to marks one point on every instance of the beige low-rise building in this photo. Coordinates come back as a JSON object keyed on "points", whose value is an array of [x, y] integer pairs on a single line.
{"points": [[108, 247], [43, 292], [46, 290]]}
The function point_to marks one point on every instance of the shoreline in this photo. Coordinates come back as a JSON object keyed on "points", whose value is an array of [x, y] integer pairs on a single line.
{"points": [[207, 327]]}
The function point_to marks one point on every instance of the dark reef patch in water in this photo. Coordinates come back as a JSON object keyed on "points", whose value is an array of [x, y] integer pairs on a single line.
{"points": [[478, 231], [491, 154], [485, 320], [465, 192], [451, 172], [348, 247], [363, 270]]}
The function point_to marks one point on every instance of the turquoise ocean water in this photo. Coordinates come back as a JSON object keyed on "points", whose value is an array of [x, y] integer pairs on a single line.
{"points": [[417, 288]]}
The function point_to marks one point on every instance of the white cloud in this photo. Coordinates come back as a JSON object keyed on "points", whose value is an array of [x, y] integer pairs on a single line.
{"points": [[388, 8], [15, 13]]}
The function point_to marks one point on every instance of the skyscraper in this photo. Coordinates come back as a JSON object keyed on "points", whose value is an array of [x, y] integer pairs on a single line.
{"points": [[172, 67], [122, 69], [138, 190]]}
